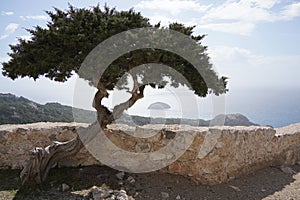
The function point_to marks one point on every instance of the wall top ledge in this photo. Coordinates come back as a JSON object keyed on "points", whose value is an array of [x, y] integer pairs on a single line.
{"points": [[287, 130]]}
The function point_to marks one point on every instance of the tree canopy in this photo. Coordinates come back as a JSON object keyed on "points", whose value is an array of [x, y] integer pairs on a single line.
{"points": [[58, 50], [62, 47]]}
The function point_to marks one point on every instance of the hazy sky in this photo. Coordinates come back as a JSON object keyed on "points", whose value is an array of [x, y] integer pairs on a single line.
{"points": [[253, 42]]}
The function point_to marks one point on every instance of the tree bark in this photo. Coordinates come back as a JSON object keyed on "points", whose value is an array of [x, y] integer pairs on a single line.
{"points": [[43, 159], [105, 116]]}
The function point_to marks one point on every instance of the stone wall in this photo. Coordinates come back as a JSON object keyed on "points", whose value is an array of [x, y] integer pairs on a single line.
{"points": [[216, 154]]}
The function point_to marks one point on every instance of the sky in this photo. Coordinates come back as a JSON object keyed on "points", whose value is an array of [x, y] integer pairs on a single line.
{"points": [[253, 42]]}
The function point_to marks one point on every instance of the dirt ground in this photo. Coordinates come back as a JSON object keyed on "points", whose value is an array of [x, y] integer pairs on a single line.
{"points": [[270, 183]]}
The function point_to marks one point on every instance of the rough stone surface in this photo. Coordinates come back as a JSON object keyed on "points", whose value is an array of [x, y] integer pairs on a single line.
{"points": [[217, 154], [16, 141]]}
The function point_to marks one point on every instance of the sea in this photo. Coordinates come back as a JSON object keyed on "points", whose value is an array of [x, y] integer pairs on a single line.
{"points": [[276, 108], [270, 107]]}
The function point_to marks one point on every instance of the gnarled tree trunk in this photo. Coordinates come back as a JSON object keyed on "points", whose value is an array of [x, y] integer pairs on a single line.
{"points": [[43, 159]]}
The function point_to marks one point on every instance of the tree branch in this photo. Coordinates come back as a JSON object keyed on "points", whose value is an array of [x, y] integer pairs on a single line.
{"points": [[104, 115], [136, 94]]}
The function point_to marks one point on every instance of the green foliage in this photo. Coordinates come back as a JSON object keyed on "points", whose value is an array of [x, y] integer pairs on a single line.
{"points": [[58, 50], [19, 110]]}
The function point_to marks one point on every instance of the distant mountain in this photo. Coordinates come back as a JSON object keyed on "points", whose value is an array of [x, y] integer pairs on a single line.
{"points": [[232, 120], [227, 120], [19, 110]]}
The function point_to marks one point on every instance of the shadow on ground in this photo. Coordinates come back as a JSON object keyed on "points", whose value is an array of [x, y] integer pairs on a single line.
{"points": [[263, 184]]}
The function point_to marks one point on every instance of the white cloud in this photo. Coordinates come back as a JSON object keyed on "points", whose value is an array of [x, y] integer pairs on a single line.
{"points": [[160, 18], [231, 16], [7, 13], [243, 10], [264, 3], [227, 52], [242, 16], [291, 11], [239, 57], [242, 28], [9, 29], [34, 17], [3, 36], [236, 56], [246, 69], [164, 20], [172, 6]]}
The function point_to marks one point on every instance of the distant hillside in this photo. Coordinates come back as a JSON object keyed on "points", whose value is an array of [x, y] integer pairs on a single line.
{"points": [[19, 110], [227, 120]]}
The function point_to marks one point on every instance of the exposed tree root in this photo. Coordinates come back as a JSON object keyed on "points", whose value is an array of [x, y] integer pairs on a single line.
{"points": [[43, 159]]}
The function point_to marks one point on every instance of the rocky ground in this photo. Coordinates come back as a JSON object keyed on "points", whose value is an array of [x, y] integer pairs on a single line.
{"points": [[95, 182]]}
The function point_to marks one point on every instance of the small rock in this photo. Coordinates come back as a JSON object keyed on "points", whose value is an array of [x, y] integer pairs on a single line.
{"points": [[130, 179], [121, 195], [164, 195], [120, 175], [178, 197], [143, 147], [136, 194], [287, 169], [65, 187], [235, 188], [100, 193]]}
